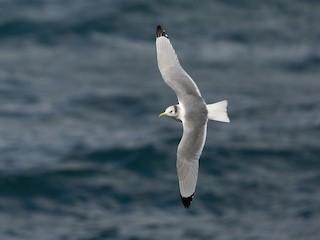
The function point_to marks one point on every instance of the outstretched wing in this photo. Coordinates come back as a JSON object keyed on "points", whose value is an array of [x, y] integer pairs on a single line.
{"points": [[188, 154], [194, 119], [172, 72]]}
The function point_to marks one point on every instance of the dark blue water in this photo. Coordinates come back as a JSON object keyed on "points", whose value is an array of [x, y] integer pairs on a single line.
{"points": [[83, 154]]}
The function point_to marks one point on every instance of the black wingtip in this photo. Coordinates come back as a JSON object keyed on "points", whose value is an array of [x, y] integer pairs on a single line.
{"points": [[187, 201], [161, 32]]}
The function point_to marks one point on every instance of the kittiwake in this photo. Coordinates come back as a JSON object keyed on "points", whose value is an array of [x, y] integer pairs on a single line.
{"points": [[191, 110]]}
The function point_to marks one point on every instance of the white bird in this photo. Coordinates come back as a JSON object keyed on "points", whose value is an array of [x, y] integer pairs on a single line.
{"points": [[192, 111]]}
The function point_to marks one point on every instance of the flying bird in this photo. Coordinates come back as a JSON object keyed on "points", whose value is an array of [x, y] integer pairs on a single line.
{"points": [[191, 110]]}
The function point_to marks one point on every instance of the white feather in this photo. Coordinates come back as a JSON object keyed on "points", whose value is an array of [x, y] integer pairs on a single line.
{"points": [[218, 111]]}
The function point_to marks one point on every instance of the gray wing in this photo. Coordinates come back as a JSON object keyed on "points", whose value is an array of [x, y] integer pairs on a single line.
{"points": [[188, 154], [172, 72]]}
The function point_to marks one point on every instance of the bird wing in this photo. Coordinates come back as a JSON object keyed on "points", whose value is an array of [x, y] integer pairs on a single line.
{"points": [[188, 154], [172, 72], [194, 119]]}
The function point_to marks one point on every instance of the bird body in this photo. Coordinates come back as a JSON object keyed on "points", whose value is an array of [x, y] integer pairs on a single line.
{"points": [[192, 111]]}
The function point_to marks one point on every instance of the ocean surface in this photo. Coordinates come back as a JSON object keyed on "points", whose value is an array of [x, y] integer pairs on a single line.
{"points": [[84, 155]]}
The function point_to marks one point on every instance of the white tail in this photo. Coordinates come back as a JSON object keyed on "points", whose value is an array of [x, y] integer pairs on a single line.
{"points": [[218, 111]]}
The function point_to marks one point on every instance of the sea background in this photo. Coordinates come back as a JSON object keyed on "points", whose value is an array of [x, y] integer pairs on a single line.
{"points": [[84, 155]]}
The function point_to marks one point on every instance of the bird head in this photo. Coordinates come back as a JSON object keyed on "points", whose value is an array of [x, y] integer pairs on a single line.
{"points": [[171, 111]]}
